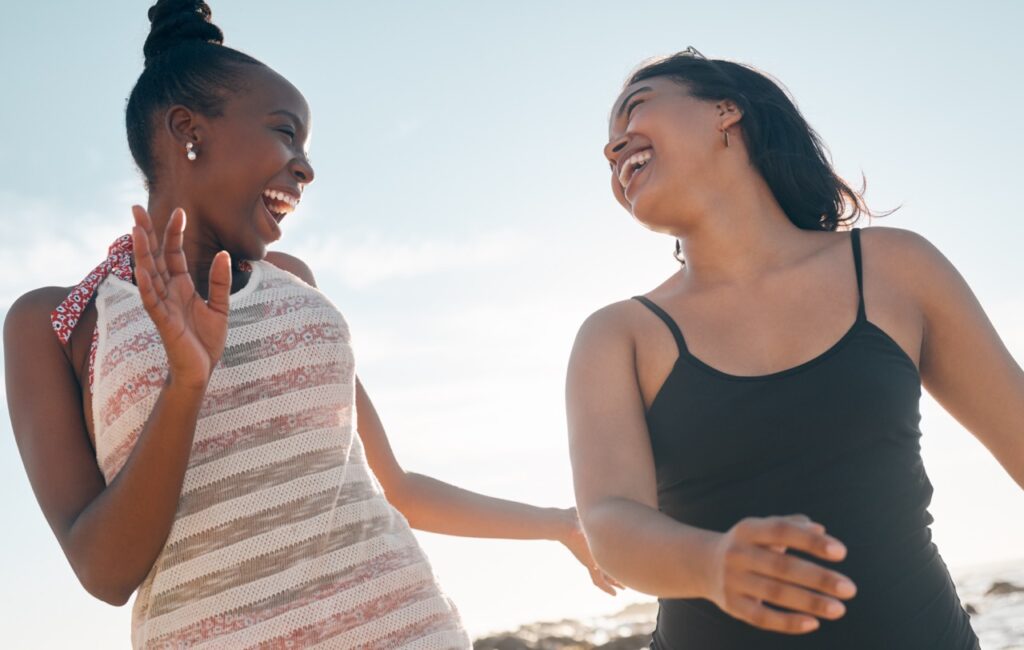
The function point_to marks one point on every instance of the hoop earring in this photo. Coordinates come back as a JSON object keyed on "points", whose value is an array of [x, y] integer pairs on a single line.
{"points": [[679, 252], [190, 151]]}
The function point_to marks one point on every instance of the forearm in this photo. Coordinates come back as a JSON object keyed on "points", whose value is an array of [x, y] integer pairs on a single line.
{"points": [[1008, 451], [436, 506], [648, 551], [116, 539]]}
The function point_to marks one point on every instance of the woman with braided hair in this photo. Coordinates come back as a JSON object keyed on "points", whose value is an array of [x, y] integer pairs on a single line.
{"points": [[189, 415]]}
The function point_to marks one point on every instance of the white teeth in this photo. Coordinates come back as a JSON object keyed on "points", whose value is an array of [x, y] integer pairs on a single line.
{"points": [[632, 164], [287, 199]]}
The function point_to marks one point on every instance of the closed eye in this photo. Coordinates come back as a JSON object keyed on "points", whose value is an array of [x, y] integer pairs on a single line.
{"points": [[288, 132], [633, 104]]}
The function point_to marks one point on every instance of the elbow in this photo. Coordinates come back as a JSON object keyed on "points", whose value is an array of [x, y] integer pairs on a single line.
{"points": [[615, 534], [103, 586], [115, 598], [109, 593], [107, 572], [600, 523]]}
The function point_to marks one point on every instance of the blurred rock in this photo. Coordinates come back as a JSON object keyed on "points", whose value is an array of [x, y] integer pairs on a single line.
{"points": [[997, 618], [629, 629], [635, 642], [511, 642], [1000, 588]]}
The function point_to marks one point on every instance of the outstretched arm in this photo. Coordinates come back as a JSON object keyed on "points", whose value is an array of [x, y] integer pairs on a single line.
{"points": [[439, 507], [964, 364]]}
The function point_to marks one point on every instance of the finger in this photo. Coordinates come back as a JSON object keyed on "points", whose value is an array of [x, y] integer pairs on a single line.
{"points": [[598, 578], [783, 531], [141, 217], [799, 572], [804, 519], [792, 597], [174, 239], [750, 610], [161, 246], [220, 283], [144, 260], [612, 581], [151, 239], [155, 307]]}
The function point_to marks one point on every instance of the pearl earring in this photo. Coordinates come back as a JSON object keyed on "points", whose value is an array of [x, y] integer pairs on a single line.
{"points": [[189, 153]]}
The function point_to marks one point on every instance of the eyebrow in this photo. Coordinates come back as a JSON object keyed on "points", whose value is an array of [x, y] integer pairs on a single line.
{"points": [[295, 118], [625, 100]]}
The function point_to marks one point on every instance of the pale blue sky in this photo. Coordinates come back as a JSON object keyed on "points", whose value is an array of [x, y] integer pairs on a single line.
{"points": [[462, 221]]}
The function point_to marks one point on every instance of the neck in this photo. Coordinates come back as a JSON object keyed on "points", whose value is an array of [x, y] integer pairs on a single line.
{"points": [[199, 243], [738, 236]]}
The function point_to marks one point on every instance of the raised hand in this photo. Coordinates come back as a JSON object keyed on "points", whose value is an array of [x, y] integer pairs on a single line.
{"points": [[577, 544], [193, 330], [750, 567]]}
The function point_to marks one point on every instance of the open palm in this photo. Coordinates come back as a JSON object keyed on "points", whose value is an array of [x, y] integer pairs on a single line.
{"points": [[193, 330]]}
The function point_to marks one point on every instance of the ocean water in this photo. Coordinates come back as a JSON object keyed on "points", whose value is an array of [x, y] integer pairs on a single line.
{"points": [[993, 596]]}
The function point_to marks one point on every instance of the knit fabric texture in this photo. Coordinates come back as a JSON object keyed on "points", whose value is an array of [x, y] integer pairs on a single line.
{"points": [[282, 536]]}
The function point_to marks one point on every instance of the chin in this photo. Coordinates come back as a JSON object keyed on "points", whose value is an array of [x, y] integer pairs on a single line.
{"points": [[647, 215], [258, 249], [660, 216]]}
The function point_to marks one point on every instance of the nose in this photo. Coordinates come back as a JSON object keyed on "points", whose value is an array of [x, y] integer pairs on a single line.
{"points": [[302, 170], [614, 146]]}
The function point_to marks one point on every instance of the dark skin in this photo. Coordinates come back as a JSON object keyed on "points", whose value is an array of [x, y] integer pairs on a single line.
{"points": [[201, 215]]}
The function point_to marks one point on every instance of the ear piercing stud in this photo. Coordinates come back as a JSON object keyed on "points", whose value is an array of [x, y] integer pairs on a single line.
{"points": [[189, 153]]}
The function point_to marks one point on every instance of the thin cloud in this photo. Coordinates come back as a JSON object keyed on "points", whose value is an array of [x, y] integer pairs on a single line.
{"points": [[375, 260], [46, 243]]}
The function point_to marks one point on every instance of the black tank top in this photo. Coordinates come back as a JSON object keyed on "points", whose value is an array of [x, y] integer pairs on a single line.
{"points": [[835, 438]]}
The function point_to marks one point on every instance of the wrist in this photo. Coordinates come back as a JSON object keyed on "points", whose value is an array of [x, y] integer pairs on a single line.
{"points": [[563, 524], [704, 553], [186, 386]]}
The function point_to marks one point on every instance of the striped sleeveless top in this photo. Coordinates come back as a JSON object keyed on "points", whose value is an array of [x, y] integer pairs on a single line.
{"points": [[283, 536]]}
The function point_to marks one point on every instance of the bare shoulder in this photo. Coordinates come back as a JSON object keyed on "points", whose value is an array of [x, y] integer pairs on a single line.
{"points": [[609, 324], [908, 259], [891, 244], [29, 341], [29, 315], [293, 265], [626, 321]]}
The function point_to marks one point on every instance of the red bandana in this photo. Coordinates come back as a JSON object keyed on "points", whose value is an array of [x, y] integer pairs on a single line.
{"points": [[119, 263]]}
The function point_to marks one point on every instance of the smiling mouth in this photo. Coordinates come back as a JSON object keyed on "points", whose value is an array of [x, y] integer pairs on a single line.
{"points": [[279, 204], [634, 164]]}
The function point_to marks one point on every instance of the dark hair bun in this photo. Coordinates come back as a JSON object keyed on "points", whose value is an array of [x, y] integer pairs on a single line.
{"points": [[173, 22]]}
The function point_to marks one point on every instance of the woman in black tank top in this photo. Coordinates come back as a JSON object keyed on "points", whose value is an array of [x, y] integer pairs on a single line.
{"points": [[745, 437]]}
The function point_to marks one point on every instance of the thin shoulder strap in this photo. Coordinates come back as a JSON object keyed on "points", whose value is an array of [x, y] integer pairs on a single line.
{"points": [[660, 313], [855, 239]]}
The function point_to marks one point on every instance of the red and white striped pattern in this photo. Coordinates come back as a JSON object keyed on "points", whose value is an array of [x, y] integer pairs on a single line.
{"points": [[283, 537]]}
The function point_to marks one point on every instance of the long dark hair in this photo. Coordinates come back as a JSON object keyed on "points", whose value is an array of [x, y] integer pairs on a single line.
{"points": [[187, 64], [782, 146]]}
